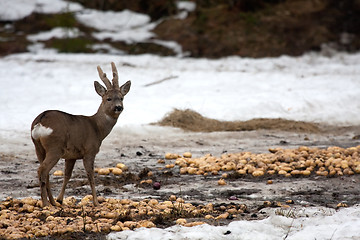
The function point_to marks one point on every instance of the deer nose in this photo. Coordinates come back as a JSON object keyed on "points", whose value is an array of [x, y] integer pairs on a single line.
{"points": [[119, 108]]}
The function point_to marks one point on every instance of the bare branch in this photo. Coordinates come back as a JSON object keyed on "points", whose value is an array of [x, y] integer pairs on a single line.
{"points": [[103, 77], [160, 81], [115, 79]]}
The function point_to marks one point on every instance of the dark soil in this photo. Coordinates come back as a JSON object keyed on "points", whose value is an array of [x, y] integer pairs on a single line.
{"points": [[141, 152], [265, 28], [18, 168]]}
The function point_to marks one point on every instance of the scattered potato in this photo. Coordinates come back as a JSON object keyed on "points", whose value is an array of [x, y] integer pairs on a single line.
{"points": [[117, 171], [187, 155], [147, 181], [169, 165], [223, 216], [104, 171], [341, 205], [302, 161], [171, 156], [172, 198], [221, 182], [258, 173], [82, 216], [122, 166], [193, 224], [181, 221], [115, 228], [58, 173]]}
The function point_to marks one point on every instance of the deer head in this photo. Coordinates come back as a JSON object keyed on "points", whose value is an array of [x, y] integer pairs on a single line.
{"points": [[112, 95]]}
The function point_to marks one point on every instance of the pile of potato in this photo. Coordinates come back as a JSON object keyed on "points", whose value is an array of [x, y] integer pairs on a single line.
{"points": [[302, 161], [26, 218], [117, 170]]}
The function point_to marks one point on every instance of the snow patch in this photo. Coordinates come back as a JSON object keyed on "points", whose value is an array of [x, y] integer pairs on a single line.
{"points": [[322, 224], [58, 32], [127, 26], [12, 10], [186, 5], [112, 21], [307, 88]]}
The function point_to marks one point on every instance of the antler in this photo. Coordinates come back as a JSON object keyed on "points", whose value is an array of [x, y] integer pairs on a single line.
{"points": [[115, 79], [103, 77]]}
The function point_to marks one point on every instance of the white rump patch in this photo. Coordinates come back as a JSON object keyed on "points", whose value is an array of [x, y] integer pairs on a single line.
{"points": [[40, 131]]}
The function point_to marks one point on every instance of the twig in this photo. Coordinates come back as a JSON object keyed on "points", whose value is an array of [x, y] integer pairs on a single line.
{"points": [[287, 234], [160, 81], [333, 234]]}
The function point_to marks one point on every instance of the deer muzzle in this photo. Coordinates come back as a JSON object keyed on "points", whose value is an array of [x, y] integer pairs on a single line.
{"points": [[119, 108]]}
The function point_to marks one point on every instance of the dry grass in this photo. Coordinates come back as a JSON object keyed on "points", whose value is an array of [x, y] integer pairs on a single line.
{"points": [[192, 121]]}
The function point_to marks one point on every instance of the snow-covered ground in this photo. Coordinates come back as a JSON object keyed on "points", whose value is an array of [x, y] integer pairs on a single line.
{"points": [[312, 87], [311, 223]]}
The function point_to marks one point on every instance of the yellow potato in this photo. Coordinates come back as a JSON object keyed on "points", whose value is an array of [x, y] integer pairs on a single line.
{"points": [[146, 224], [153, 202], [171, 156], [117, 171], [122, 166], [183, 170], [258, 173], [181, 221], [223, 216], [104, 171], [187, 154], [221, 182], [193, 224], [169, 165], [172, 198], [115, 228], [58, 173]]}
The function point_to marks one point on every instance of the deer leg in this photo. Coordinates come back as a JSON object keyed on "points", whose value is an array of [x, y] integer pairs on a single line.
{"points": [[89, 167], [48, 191], [41, 153], [69, 166], [43, 173]]}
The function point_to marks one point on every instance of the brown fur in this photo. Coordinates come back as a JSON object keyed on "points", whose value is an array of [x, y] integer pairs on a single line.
{"points": [[77, 137]]}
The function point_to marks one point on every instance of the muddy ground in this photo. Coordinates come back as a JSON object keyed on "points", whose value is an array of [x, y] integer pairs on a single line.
{"points": [[140, 149]]}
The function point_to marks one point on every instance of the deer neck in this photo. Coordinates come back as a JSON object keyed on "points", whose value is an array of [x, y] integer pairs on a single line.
{"points": [[103, 122]]}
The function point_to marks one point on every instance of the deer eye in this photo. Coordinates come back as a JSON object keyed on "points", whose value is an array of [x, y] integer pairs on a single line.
{"points": [[108, 99], [121, 99]]}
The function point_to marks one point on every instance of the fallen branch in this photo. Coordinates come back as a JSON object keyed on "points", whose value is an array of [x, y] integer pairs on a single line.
{"points": [[160, 81]]}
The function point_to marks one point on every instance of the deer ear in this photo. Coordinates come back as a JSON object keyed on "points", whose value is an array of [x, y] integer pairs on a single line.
{"points": [[124, 89], [99, 88]]}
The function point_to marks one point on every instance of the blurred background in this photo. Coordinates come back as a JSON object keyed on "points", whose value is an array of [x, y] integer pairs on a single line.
{"points": [[197, 28]]}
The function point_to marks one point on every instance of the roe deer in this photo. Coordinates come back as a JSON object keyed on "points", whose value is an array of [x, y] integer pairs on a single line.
{"points": [[57, 134]]}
